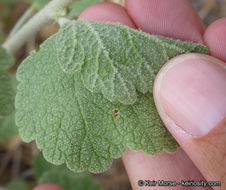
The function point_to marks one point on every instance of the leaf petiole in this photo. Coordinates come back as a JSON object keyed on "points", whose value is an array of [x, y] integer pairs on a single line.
{"points": [[24, 18]]}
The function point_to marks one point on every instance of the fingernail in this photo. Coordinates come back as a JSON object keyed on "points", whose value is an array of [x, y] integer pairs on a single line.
{"points": [[191, 91]]}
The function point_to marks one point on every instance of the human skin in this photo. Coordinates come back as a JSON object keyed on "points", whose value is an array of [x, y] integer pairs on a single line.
{"points": [[189, 92]]}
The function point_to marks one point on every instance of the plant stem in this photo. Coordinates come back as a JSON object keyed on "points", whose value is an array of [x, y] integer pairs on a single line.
{"points": [[38, 21], [24, 18], [63, 21]]}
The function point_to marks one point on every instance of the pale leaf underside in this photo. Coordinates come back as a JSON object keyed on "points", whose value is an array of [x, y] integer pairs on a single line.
{"points": [[115, 60], [63, 101]]}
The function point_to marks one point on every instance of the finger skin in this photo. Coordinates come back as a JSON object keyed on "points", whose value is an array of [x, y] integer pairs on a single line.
{"points": [[215, 39], [169, 167], [107, 12], [183, 168], [193, 108], [174, 18], [48, 187]]}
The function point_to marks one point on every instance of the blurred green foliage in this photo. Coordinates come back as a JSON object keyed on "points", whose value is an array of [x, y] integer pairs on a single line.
{"points": [[40, 3], [79, 6], [61, 175], [17, 184]]}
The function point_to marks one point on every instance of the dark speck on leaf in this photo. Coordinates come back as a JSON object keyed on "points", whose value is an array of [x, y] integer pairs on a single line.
{"points": [[116, 113]]}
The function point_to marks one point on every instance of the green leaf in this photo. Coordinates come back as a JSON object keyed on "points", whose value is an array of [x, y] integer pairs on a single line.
{"points": [[9, 1], [7, 92], [79, 126], [115, 60], [49, 173], [2, 35], [40, 3], [69, 180], [78, 7], [8, 127], [3, 188], [40, 166], [17, 184]]}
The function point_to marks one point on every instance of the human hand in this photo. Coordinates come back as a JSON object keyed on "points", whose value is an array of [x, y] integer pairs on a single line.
{"points": [[189, 92]]}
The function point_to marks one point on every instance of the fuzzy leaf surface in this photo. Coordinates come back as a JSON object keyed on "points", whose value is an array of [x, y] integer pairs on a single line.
{"points": [[72, 94], [7, 92], [73, 125], [116, 60]]}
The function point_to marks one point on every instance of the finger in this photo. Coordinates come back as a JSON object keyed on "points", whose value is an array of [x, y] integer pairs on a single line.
{"points": [[167, 167], [174, 18], [157, 17], [190, 96], [48, 187], [215, 38], [107, 12]]}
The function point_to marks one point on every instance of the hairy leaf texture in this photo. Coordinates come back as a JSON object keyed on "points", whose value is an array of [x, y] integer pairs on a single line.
{"points": [[86, 96]]}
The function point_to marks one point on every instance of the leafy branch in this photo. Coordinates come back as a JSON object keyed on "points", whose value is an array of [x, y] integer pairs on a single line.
{"points": [[47, 15], [25, 17]]}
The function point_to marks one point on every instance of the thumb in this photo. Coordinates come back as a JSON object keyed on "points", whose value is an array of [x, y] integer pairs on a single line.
{"points": [[48, 186], [190, 95]]}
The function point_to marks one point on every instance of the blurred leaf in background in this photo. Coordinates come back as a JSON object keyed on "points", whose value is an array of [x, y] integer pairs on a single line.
{"points": [[40, 3], [2, 35], [40, 166], [69, 180], [61, 175], [7, 92], [16, 184], [8, 127], [79, 6], [9, 1]]}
